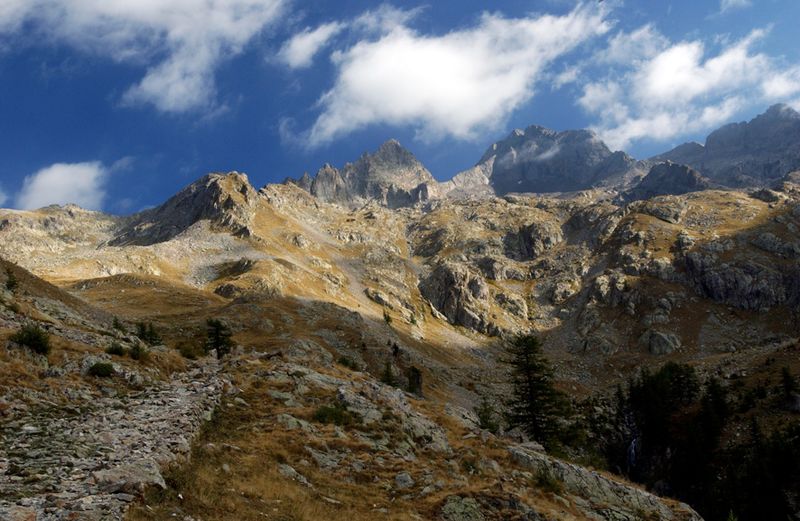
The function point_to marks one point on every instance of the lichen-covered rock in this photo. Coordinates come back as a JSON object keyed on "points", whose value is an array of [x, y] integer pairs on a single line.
{"points": [[457, 508]]}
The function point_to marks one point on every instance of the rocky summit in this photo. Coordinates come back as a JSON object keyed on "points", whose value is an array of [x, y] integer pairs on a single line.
{"points": [[753, 153], [343, 345]]}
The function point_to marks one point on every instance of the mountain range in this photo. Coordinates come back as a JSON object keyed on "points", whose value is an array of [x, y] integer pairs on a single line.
{"points": [[368, 311], [757, 153]]}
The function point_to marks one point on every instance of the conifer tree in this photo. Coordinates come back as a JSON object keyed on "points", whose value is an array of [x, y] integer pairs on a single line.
{"points": [[535, 404]]}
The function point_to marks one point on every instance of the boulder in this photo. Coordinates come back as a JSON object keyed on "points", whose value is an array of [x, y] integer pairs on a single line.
{"points": [[660, 343], [132, 478], [457, 508]]}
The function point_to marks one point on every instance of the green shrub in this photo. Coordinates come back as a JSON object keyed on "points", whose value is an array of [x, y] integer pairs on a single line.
{"points": [[487, 418], [414, 376], [190, 351], [148, 334], [334, 414], [34, 338], [139, 352], [115, 349], [119, 326], [101, 370], [348, 363], [11, 280], [387, 376]]}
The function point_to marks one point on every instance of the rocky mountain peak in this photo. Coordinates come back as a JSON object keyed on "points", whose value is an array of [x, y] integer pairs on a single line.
{"points": [[391, 176], [539, 159], [225, 199], [753, 153]]}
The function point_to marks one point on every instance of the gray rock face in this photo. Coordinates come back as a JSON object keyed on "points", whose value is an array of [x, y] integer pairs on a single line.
{"points": [[755, 153], [460, 296], [667, 179], [226, 200], [745, 284], [538, 159], [533, 240], [605, 497], [391, 176]]}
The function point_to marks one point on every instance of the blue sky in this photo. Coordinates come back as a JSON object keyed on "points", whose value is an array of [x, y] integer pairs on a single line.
{"points": [[116, 104]]}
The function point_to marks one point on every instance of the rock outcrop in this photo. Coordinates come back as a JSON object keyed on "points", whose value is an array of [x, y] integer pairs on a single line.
{"points": [[603, 497], [226, 200], [667, 179], [460, 296]]}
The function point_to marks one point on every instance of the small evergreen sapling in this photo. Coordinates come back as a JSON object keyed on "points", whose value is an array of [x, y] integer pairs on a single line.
{"points": [[218, 337]]}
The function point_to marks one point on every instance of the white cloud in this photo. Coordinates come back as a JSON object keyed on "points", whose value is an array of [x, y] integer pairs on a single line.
{"points": [[450, 85], [299, 51], [642, 43], [675, 89], [567, 76], [180, 42], [62, 183], [727, 5]]}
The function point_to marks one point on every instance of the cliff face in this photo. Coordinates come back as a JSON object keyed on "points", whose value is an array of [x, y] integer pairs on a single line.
{"points": [[753, 153]]}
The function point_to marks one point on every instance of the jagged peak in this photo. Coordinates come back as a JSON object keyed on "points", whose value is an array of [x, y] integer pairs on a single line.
{"points": [[224, 198]]}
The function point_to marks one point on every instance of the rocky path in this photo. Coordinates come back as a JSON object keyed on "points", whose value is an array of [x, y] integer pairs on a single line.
{"points": [[89, 461]]}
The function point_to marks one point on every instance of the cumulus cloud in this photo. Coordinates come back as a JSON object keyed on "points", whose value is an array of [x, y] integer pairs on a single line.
{"points": [[669, 89], [62, 183], [299, 51], [446, 85], [727, 5], [180, 42]]}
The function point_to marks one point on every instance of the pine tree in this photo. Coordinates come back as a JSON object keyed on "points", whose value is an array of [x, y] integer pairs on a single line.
{"points": [[219, 337], [535, 404]]}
